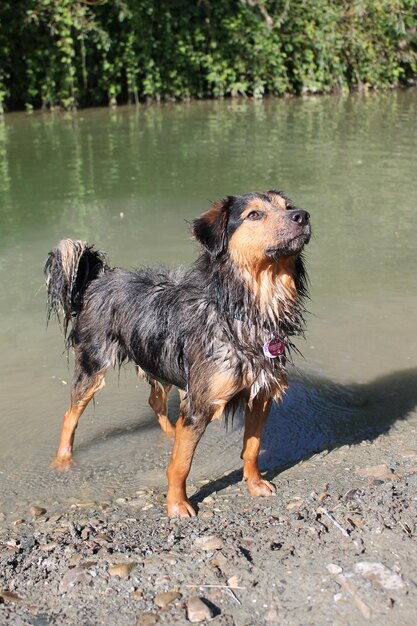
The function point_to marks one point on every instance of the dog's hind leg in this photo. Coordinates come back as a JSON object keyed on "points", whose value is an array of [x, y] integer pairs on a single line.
{"points": [[255, 419], [84, 386], [158, 401]]}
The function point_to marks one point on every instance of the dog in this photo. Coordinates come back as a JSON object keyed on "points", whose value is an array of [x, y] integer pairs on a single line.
{"points": [[220, 331]]}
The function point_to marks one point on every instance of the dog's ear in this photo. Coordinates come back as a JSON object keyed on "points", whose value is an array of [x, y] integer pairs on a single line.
{"points": [[210, 229]]}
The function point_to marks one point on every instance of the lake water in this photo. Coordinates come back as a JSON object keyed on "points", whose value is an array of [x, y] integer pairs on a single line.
{"points": [[128, 180]]}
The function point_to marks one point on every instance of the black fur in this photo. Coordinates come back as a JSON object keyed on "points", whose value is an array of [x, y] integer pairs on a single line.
{"points": [[179, 327]]}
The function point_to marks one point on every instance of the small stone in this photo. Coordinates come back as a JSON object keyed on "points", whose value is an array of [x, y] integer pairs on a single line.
{"points": [[353, 494], [209, 543], [378, 472], [163, 599], [233, 581], [271, 616], [408, 452], [208, 500], [197, 610], [207, 514], [122, 570], [36, 511], [147, 619], [147, 507], [294, 505], [121, 500], [84, 504], [18, 521], [137, 594], [85, 533], [334, 569], [378, 573], [9, 596], [220, 561], [72, 577]]}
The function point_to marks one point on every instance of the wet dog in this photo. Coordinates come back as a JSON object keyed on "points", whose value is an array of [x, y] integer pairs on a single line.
{"points": [[221, 331]]}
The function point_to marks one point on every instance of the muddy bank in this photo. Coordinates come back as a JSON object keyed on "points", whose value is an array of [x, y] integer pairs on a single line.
{"points": [[337, 545]]}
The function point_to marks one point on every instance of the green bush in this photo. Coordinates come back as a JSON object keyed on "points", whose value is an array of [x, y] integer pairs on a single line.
{"points": [[68, 53]]}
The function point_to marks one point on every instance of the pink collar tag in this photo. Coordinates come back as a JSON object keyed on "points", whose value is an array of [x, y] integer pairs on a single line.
{"points": [[273, 348]]}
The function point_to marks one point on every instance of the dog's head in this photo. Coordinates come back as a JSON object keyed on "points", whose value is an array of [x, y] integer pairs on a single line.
{"points": [[253, 229]]}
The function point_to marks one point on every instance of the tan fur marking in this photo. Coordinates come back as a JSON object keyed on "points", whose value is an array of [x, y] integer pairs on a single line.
{"points": [[158, 400], [186, 440], [223, 386], [255, 419], [248, 245], [64, 453]]}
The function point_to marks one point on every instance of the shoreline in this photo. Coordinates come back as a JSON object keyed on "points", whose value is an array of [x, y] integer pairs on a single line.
{"points": [[335, 546]]}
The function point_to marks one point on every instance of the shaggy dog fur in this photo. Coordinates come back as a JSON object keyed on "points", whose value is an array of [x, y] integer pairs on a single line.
{"points": [[220, 331]]}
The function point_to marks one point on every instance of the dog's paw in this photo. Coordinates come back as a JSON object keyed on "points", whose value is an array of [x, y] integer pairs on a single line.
{"points": [[182, 508], [261, 487], [62, 463]]}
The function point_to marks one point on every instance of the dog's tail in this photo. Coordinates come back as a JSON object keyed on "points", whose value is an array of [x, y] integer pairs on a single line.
{"points": [[69, 269]]}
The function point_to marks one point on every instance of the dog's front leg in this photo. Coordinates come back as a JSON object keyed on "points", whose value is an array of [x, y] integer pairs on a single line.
{"points": [[255, 419], [186, 440]]}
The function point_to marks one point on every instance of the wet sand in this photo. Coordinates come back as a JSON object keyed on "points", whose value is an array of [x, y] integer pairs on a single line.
{"points": [[337, 545]]}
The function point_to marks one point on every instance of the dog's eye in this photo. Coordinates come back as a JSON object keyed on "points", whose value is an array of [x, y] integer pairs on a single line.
{"points": [[254, 215]]}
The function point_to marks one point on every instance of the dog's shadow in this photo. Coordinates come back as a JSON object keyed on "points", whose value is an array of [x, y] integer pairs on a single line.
{"points": [[318, 414]]}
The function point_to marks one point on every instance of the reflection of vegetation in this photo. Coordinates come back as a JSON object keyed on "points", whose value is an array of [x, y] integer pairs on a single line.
{"points": [[67, 52]]}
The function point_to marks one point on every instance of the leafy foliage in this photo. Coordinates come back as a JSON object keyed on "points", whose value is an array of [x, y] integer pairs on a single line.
{"points": [[69, 53]]}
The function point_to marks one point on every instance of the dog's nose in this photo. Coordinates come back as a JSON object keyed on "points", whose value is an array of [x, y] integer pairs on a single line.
{"points": [[299, 216]]}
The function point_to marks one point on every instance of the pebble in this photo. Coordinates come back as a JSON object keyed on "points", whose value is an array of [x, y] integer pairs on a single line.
{"points": [[220, 561], [233, 581], [72, 577], [84, 504], [271, 616], [85, 533], [121, 569], [378, 573], [294, 505], [163, 599], [379, 472], [147, 619], [9, 596], [197, 610], [36, 511], [209, 543], [334, 569], [208, 500], [207, 514], [408, 452]]}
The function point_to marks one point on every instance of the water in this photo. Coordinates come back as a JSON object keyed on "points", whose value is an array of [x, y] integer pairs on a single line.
{"points": [[128, 180]]}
